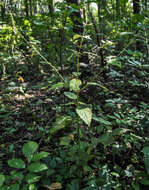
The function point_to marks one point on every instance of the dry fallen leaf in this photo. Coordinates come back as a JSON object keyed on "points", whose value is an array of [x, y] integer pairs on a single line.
{"points": [[71, 136], [54, 186], [21, 79]]}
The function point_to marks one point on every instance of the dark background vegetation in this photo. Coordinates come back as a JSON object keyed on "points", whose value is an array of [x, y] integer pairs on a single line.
{"points": [[104, 46]]}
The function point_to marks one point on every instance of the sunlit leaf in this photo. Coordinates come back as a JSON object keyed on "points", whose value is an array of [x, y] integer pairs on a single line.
{"points": [[32, 178], [85, 114], [70, 95], [40, 155], [37, 167], [60, 123], [75, 85], [58, 85], [76, 36]]}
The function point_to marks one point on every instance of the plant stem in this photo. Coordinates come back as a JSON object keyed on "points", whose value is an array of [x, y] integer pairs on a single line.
{"points": [[79, 153]]}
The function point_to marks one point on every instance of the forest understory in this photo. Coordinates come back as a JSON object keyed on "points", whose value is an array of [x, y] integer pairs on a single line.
{"points": [[74, 95]]}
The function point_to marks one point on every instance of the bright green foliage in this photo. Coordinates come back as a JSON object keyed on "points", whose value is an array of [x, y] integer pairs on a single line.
{"points": [[85, 114], [16, 163], [39, 156], [2, 179], [37, 167], [70, 95], [60, 123], [75, 85], [74, 106], [29, 149], [27, 175]]}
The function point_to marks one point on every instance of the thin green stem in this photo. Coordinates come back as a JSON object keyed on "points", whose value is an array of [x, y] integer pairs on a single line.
{"points": [[79, 153]]}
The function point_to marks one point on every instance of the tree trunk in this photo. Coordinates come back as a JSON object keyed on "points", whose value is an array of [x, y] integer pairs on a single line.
{"points": [[35, 8], [136, 6], [30, 7], [136, 11], [50, 6], [117, 9], [3, 10], [78, 28], [26, 8], [101, 32]]}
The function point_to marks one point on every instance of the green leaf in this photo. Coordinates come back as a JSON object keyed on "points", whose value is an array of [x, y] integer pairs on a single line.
{"points": [[15, 174], [146, 158], [32, 187], [2, 179], [32, 178], [76, 36], [97, 84], [29, 149], [85, 114], [136, 186], [25, 187], [115, 174], [146, 150], [126, 33], [145, 180], [106, 139], [60, 123], [40, 155], [102, 121], [37, 167], [65, 141], [70, 95], [113, 60], [16, 163], [146, 161], [75, 85], [119, 131], [14, 186], [58, 85]]}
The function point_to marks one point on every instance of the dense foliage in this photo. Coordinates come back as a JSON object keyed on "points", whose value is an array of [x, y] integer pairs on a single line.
{"points": [[74, 107]]}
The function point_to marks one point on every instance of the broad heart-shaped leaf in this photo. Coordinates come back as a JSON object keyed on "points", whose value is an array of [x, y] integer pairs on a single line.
{"points": [[85, 114], [29, 149], [75, 85], [40, 155], [2, 179], [60, 123], [70, 95], [16, 163], [37, 167]]}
